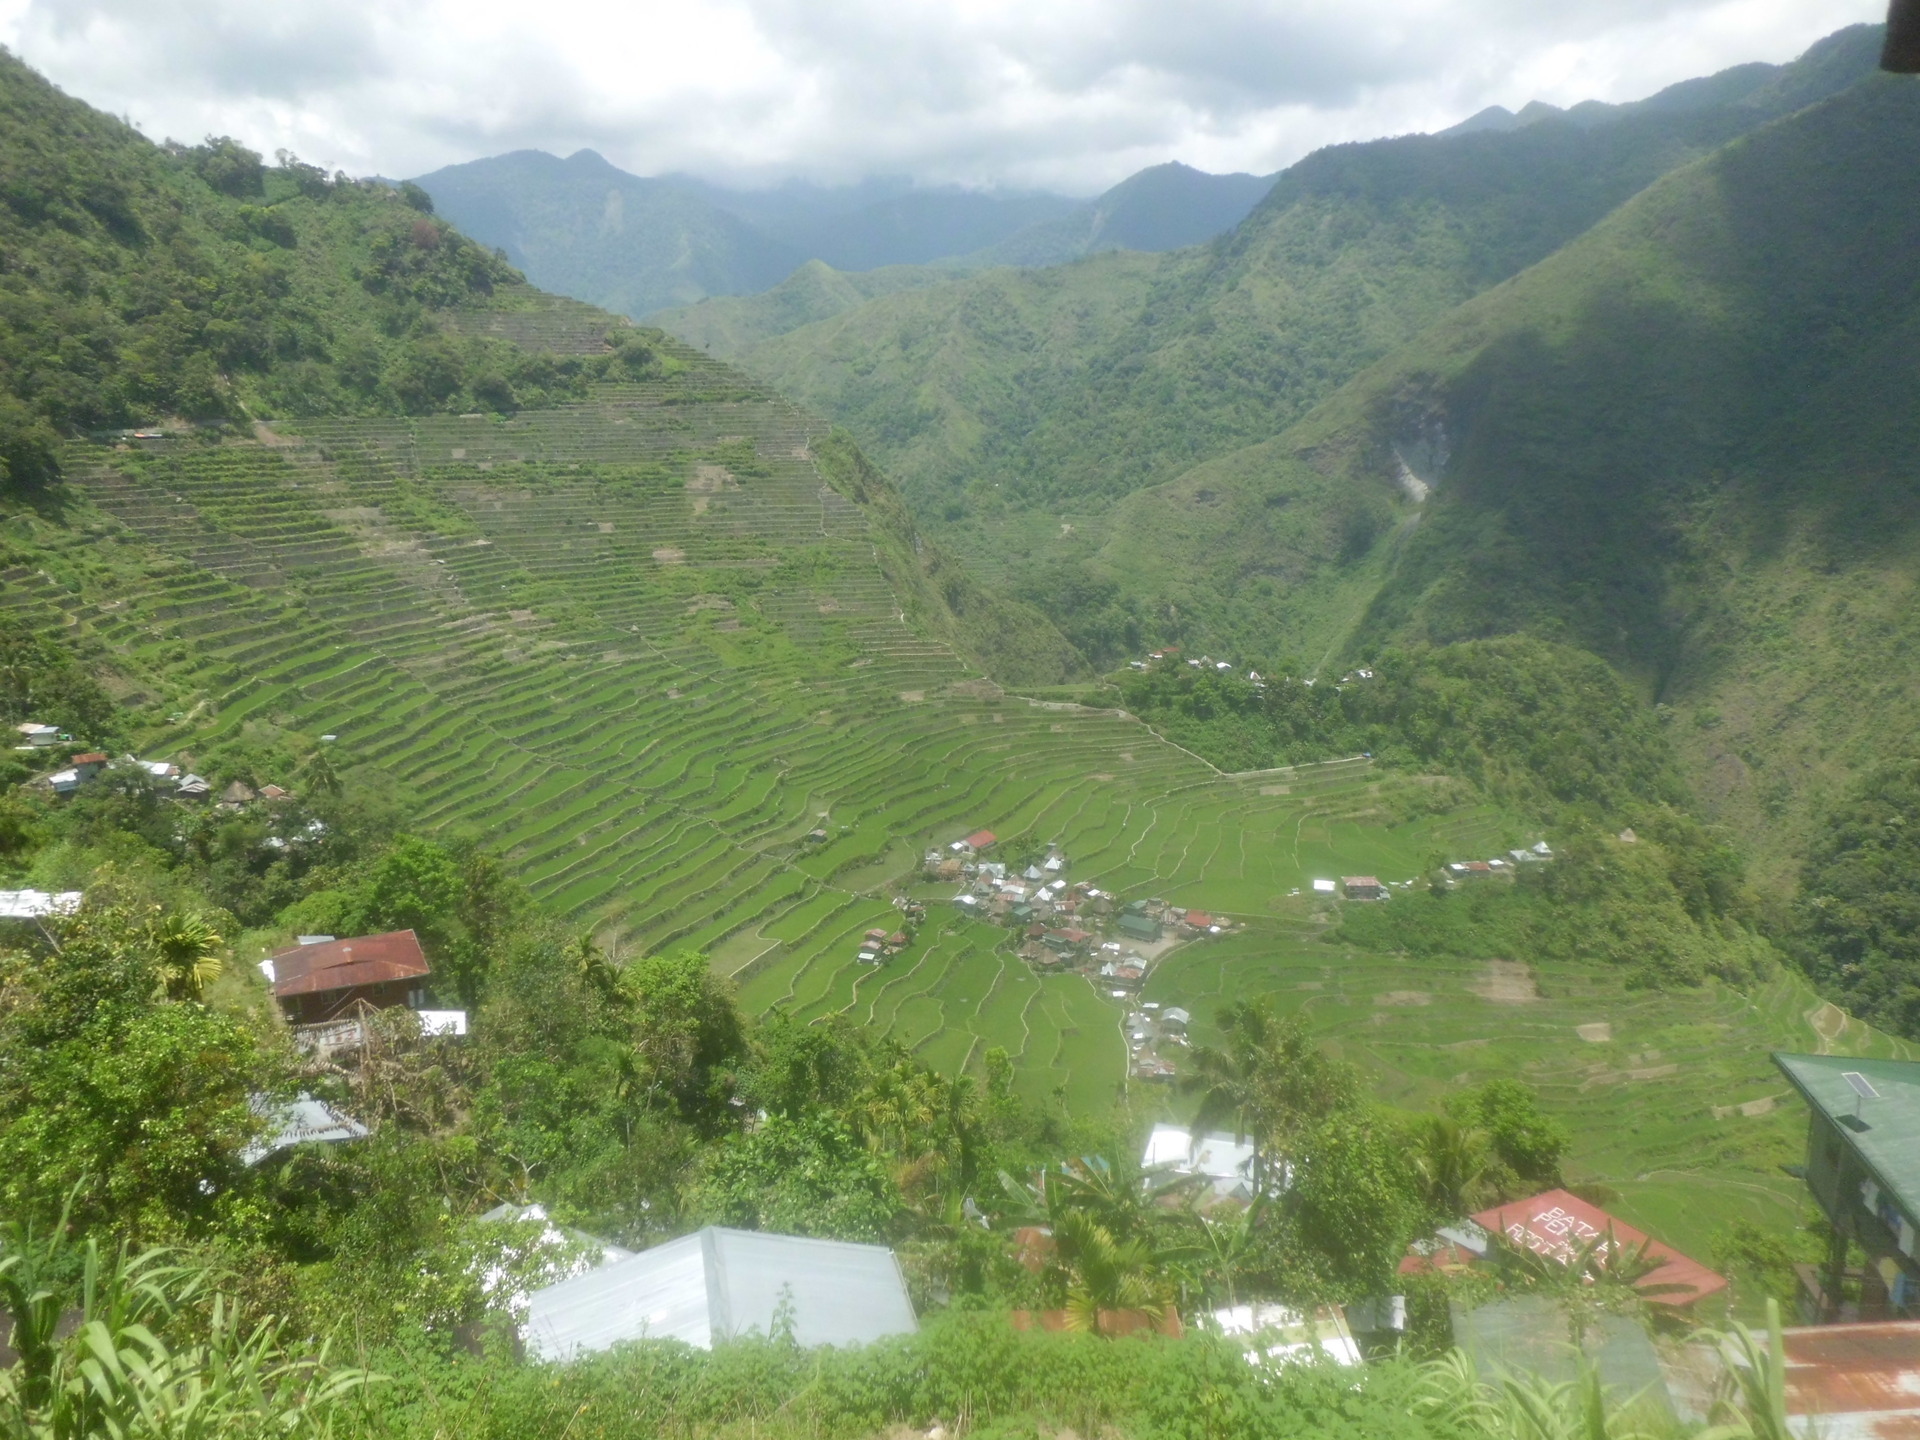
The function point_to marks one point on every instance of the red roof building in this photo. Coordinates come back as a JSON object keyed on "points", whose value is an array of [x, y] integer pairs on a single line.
{"points": [[1558, 1225], [1199, 919], [325, 981], [979, 840]]}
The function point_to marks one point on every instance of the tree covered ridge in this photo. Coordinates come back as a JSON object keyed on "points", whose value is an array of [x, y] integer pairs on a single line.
{"points": [[1546, 729], [1858, 910], [1546, 726], [142, 282]]}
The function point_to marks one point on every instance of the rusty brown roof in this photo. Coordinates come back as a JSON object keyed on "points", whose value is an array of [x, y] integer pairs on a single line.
{"points": [[343, 964]]}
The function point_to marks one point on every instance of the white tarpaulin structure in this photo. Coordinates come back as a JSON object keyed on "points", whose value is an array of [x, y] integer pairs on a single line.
{"points": [[716, 1284], [1282, 1335], [36, 904]]}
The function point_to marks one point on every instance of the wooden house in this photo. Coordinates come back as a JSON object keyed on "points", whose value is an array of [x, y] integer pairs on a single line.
{"points": [[330, 979]]}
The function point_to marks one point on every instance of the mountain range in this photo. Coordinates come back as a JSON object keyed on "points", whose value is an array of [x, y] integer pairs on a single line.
{"points": [[1629, 378], [634, 244], [1012, 402]]}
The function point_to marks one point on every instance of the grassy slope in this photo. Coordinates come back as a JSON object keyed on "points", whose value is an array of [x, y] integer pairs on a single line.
{"points": [[1682, 442], [1056, 392]]}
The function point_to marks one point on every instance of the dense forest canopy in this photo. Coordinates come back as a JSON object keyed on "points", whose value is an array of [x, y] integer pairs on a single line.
{"points": [[199, 282]]}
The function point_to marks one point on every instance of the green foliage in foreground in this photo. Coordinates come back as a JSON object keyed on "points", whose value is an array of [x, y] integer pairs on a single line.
{"points": [[1041, 391], [1859, 907], [1546, 727], [128, 1346], [144, 1346], [971, 1369]]}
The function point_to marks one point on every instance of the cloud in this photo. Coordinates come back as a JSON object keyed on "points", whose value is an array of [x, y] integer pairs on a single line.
{"points": [[1070, 94]]}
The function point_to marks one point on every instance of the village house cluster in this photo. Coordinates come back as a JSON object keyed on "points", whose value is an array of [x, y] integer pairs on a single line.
{"points": [[165, 776], [1170, 655], [1459, 872], [1069, 927]]}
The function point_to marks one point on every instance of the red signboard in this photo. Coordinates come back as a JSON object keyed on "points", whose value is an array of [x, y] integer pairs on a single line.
{"points": [[1559, 1225]]}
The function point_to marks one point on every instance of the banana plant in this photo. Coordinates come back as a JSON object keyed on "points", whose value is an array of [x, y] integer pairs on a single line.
{"points": [[100, 1354]]}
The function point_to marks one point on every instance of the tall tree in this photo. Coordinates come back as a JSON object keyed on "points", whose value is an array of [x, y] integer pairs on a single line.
{"points": [[1269, 1081]]}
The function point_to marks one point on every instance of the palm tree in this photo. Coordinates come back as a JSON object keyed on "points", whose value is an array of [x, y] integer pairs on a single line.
{"points": [[1603, 1275], [1269, 1079], [186, 952], [1222, 1244], [319, 774], [1105, 1273], [1451, 1164], [600, 973]]}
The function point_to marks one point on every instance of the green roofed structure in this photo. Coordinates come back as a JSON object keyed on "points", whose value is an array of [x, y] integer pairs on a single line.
{"points": [[1863, 1167]]}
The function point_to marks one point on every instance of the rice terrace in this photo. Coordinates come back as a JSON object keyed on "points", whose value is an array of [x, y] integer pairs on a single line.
{"points": [[648, 648], [767, 795]]}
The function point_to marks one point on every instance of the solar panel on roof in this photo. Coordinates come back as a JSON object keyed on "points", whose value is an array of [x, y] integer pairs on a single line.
{"points": [[1862, 1086]]}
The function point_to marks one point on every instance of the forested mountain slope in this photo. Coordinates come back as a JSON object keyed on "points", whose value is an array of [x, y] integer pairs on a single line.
{"points": [[587, 229], [1684, 442], [142, 283], [1165, 207], [1006, 402]]}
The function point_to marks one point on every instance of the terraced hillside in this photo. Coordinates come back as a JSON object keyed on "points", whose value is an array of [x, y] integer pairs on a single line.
{"points": [[643, 647], [1669, 1094]]}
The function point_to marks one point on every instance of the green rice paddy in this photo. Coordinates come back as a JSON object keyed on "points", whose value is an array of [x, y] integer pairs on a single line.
{"points": [[1670, 1094], [640, 646]]}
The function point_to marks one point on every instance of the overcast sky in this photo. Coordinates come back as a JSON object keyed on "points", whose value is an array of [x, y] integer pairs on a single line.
{"points": [[1062, 94]]}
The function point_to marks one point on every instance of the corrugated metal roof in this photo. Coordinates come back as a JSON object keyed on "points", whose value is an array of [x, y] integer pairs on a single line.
{"points": [[718, 1283], [1884, 1131], [1843, 1382], [1555, 1223], [33, 904], [298, 1122], [1854, 1382], [342, 964]]}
